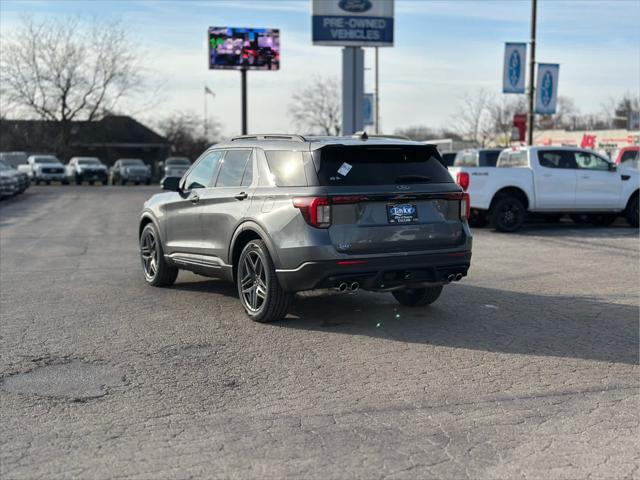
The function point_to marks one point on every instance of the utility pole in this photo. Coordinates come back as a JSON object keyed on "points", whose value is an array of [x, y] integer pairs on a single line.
{"points": [[532, 66], [206, 129], [377, 96], [244, 100]]}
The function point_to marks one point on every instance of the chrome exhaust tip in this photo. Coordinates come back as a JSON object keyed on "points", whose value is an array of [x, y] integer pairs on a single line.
{"points": [[343, 287], [354, 286], [451, 278], [458, 277]]}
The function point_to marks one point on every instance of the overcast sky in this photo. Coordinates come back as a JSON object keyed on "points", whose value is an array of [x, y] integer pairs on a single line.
{"points": [[442, 50]]}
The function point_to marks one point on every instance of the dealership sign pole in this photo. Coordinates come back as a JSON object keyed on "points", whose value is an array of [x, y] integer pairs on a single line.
{"points": [[532, 66], [244, 49], [352, 24]]}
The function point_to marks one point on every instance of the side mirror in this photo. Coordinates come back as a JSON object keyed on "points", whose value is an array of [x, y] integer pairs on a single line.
{"points": [[171, 183], [612, 167]]}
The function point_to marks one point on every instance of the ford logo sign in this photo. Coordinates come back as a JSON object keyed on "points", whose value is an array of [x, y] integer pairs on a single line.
{"points": [[546, 93], [514, 68], [355, 6], [402, 210], [403, 187]]}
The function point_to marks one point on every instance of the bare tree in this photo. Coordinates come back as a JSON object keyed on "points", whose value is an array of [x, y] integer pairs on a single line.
{"points": [[472, 117], [183, 130], [316, 107], [566, 116], [418, 132], [618, 110], [66, 70], [501, 112]]}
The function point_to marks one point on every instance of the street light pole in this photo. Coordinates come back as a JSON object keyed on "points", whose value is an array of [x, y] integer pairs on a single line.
{"points": [[532, 66]]}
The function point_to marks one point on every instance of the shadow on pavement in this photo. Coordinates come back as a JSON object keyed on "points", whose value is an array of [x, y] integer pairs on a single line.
{"points": [[482, 319]]}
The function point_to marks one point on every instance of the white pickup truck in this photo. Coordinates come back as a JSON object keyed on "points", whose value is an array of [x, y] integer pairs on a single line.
{"points": [[552, 181], [44, 168]]}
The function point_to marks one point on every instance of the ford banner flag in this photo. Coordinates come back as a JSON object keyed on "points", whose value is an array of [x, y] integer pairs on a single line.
{"points": [[515, 57], [547, 88]]}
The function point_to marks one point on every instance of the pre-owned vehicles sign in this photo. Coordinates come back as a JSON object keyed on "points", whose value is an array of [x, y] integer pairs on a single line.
{"points": [[353, 22]]}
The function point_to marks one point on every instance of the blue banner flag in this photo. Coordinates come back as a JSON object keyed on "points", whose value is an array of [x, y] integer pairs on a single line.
{"points": [[513, 76], [547, 88]]}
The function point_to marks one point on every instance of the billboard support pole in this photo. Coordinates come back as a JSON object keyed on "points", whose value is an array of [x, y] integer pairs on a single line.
{"points": [[532, 66], [243, 74], [352, 89]]}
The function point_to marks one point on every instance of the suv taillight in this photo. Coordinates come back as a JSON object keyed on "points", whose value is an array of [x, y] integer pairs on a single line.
{"points": [[462, 179], [465, 207], [315, 210]]}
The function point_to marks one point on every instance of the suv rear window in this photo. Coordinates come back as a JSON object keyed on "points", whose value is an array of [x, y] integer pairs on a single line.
{"points": [[380, 165]]}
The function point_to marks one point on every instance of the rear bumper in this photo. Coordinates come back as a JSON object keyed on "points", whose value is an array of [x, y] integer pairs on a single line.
{"points": [[377, 273]]}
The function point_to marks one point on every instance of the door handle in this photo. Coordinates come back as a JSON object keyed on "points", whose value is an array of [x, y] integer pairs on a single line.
{"points": [[195, 199], [241, 196]]}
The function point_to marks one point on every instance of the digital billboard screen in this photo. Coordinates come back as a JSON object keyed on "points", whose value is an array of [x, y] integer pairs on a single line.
{"points": [[244, 48]]}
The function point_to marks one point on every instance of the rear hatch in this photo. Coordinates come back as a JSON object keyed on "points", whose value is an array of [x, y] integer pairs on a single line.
{"points": [[389, 198]]}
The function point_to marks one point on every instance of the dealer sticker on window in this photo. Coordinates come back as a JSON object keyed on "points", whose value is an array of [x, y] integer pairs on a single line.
{"points": [[344, 169]]}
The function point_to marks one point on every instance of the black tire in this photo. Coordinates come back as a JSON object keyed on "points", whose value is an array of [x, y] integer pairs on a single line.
{"points": [[631, 213], [91, 182], [48, 182], [580, 218], [136, 183], [163, 275], [478, 218], [603, 219], [65, 182], [148, 182], [276, 302], [507, 214], [123, 181], [417, 297], [78, 180]]}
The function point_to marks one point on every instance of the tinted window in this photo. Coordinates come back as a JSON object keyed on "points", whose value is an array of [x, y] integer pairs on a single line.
{"points": [[131, 163], [557, 159], [46, 160], [489, 158], [287, 168], [381, 165], [202, 174], [232, 168], [589, 161], [448, 158]]}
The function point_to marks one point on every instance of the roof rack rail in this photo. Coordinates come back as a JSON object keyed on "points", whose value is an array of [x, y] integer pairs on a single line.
{"points": [[270, 136]]}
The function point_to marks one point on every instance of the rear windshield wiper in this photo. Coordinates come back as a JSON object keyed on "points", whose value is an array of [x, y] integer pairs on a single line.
{"points": [[412, 179]]}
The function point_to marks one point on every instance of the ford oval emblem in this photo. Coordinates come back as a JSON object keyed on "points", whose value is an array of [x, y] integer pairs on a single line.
{"points": [[403, 187], [514, 68], [355, 6], [546, 93]]}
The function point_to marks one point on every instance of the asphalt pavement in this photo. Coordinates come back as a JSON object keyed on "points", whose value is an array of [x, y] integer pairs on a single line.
{"points": [[528, 368]]}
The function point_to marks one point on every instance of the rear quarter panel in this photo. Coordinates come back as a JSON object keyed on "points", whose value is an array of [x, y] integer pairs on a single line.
{"points": [[484, 182]]}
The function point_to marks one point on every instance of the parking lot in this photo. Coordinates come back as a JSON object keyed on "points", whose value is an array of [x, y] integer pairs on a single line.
{"points": [[528, 368]]}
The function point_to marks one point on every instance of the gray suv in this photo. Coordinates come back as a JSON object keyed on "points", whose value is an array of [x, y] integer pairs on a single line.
{"points": [[278, 214]]}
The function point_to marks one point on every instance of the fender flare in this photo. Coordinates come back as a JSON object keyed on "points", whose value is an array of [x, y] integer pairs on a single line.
{"points": [[253, 226], [143, 219]]}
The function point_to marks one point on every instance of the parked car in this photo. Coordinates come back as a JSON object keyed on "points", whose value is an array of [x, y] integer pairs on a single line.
{"points": [[8, 184], [176, 166], [21, 177], [130, 170], [284, 213], [89, 169], [44, 168], [629, 157], [13, 159], [448, 158], [477, 157], [550, 180]]}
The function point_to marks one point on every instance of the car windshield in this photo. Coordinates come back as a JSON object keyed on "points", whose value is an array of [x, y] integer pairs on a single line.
{"points": [[88, 161], [46, 160], [131, 163], [178, 161], [380, 165]]}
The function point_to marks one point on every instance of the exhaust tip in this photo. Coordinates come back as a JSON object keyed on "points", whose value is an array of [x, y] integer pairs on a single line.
{"points": [[458, 277], [342, 287], [354, 286], [451, 278]]}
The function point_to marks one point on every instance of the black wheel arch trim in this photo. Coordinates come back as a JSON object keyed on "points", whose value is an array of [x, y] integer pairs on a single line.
{"points": [[501, 191], [249, 225]]}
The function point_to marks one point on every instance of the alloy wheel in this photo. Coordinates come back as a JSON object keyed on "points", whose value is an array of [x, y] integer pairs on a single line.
{"points": [[253, 281], [149, 253]]}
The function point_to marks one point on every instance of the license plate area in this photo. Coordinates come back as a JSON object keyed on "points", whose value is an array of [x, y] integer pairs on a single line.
{"points": [[402, 213]]}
